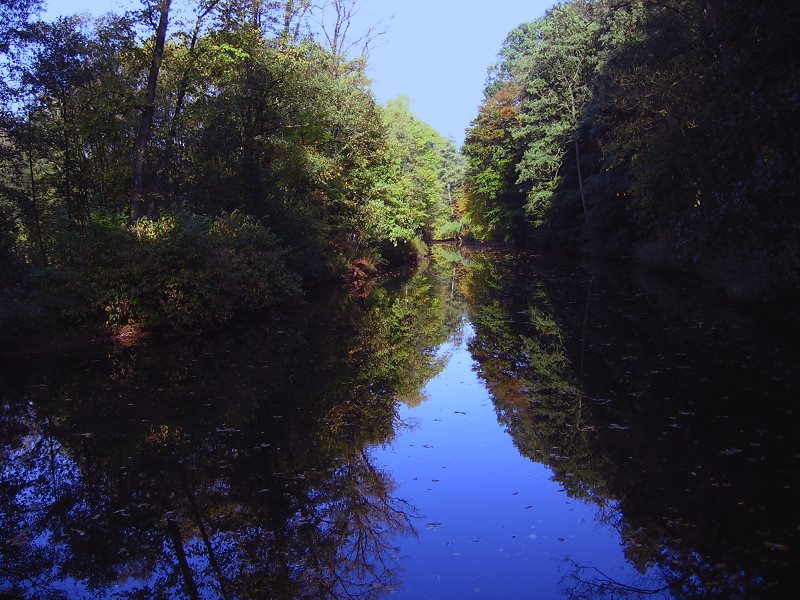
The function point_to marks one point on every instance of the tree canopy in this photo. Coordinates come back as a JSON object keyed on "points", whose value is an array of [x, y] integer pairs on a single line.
{"points": [[236, 123], [648, 127]]}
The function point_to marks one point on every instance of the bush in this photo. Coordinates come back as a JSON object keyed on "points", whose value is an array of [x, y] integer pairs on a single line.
{"points": [[179, 270]]}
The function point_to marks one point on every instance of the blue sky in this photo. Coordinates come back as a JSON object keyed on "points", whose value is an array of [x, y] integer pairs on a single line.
{"points": [[436, 52]]}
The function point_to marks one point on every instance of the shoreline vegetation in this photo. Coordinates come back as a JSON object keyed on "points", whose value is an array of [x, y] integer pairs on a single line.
{"points": [[662, 130], [170, 173], [159, 173]]}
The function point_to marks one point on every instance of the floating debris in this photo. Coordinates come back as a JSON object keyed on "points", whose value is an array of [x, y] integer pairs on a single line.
{"points": [[730, 452]]}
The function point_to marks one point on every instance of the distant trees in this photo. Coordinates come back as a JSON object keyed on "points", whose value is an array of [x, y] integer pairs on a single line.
{"points": [[416, 197], [494, 203]]}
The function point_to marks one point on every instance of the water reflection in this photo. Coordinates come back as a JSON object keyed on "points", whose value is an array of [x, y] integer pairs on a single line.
{"points": [[677, 420], [241, 464], [227, 466]]}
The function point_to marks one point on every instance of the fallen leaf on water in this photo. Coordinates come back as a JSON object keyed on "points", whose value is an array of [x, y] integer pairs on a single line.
{"points": [[730, 452], [22, 537], [781, 547]]}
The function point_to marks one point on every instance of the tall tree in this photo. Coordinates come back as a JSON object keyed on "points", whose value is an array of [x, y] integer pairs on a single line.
{"points": [[336, 19], [60, 67], [557, 73], [189, 73], [138, 205], [494, 201]]}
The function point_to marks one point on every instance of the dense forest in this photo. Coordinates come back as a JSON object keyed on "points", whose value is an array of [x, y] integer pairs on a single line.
{"points": [[177, 167], [662, 129], [179, 164]]}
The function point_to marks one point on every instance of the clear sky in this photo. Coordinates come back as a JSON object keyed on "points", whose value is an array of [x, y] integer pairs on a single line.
{"points": [[436, 52]]}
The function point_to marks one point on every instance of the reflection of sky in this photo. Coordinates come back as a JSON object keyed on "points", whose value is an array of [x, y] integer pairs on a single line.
{"points": [[493, 523]]}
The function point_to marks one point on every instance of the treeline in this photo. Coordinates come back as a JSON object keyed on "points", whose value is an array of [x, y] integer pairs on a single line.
{"points": [[179, 168], [662, 128]]}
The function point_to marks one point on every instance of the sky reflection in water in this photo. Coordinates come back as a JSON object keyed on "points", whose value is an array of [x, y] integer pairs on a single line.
{"points": [[565, 431], [496, 525]]}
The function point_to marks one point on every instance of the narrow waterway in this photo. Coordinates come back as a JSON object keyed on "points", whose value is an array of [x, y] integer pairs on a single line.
{"points": [[496, 524], [496, 425]]}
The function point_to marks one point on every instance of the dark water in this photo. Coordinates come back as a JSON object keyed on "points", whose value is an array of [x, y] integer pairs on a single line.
{"points": [[498, 425]]}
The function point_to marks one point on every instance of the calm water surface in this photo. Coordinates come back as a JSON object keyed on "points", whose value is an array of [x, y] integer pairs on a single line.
{"points": [[497, 425]]}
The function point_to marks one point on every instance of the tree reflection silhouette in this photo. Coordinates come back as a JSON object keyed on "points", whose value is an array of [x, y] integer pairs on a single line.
{"points": [[642, 403], [232, 465]]}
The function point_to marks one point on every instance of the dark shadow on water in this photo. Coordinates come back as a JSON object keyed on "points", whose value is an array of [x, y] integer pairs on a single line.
{"points": [[675, 415], [232, 466]]}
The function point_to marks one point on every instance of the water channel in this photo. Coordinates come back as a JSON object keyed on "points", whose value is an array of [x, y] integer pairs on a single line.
{"points": [[495, 425]]}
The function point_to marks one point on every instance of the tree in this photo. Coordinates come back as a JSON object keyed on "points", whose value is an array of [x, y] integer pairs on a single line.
{"points": [[138, 205], [556, 71], [416, 196], [335, 21], [494, 202], [60, 68], [188, 75], [14, 16]]}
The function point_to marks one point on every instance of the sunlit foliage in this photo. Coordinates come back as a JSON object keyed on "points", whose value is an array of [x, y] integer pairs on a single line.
{"points": [[238, 109]]}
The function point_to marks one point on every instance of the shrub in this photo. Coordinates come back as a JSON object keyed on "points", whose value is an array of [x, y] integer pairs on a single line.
{"points": [[179, 270]]}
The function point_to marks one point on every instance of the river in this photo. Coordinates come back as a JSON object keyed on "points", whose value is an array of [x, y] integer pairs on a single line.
{"points": [[495, 425]]}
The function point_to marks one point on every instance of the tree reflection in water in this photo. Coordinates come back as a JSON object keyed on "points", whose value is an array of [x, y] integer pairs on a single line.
{"points": [[234, 465], [238, 465], [675, 417]]}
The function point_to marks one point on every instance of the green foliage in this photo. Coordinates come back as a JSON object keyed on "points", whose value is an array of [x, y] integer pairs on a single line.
{"points": [[652, 124], [453, 229], [556, 71], [422, 164], [249, 118], [180, 270], [493, 202]]}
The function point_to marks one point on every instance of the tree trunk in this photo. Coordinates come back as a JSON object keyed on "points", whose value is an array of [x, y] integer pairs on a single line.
{"points": [[138, 208], [67, 164], [36, 216], [580, 188], [164, 165], [174, 533]]}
